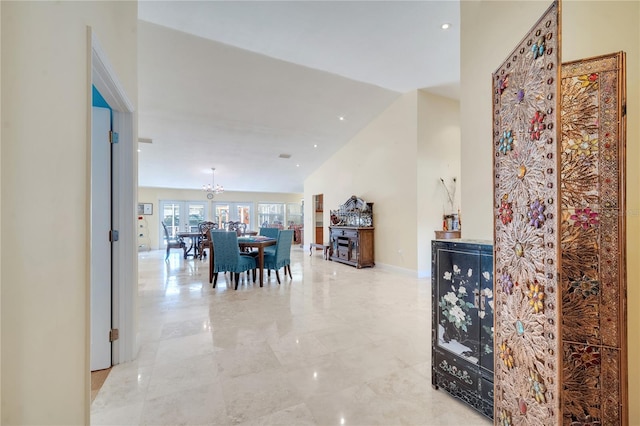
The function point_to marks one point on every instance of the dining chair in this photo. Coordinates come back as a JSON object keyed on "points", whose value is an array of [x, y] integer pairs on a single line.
{"points": [[271, 233], [203, 229], [172, 242], [227, 257], [282, 255], [238, 227]]}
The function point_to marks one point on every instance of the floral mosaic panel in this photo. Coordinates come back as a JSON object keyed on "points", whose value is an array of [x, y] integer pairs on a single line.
{"points": [[592, 231], [526, 218]]}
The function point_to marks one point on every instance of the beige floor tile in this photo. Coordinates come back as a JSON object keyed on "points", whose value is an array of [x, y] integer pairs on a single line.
{"points": [[117, 415], [202, 405], [181, 348], [245, 360], [296, 348], [255, 395], [333, 346], [359, 405], [182, 375], [371, 361], [126, 385], [298, 415], [404, 383], [324, 374]]}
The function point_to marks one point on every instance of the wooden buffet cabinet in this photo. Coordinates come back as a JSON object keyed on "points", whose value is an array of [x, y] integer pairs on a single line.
{"points": [[351, 233], [352, 245]]}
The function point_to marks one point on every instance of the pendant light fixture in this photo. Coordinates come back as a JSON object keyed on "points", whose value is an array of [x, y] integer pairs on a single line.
{"points": [[212, 188]]}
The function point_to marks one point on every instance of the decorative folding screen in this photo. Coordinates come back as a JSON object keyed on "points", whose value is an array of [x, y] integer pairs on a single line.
{"points": [[593, 280], [560, 322], [526, 209]]}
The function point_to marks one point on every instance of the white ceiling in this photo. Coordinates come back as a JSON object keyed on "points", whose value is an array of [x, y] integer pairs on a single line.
{"points": [[234, 84]]}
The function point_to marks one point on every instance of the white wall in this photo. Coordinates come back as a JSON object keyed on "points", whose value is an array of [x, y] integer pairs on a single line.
{"points": [[379, 166], [154, 195], [45, 199], [391, 164], [489, 30], [438, 157]]}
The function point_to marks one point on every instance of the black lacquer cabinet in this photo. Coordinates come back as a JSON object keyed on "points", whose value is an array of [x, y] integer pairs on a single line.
{"points": [[462, 321]]}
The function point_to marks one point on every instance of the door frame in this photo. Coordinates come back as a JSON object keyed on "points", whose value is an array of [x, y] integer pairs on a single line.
{"points": [[124, 189]]}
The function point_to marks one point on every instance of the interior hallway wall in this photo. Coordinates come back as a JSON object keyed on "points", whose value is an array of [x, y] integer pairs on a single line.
{"points": [[379, 166], [395, 162], [588, 29], [438, 157], [46, 96]]}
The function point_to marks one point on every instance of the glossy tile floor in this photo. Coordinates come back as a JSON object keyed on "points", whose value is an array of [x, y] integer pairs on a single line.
{"points": [[334, 346]]}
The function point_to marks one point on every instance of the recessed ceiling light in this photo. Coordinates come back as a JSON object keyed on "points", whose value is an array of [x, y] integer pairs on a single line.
{"points": [[315, 145], [341, 118], [445, 26], [139, 150], [297, 165]]}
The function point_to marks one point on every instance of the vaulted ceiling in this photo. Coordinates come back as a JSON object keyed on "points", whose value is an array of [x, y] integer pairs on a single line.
{"points": [[235, 84]]}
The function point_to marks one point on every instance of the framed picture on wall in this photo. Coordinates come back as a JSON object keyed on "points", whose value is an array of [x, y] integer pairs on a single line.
{"points": [[145, 208]]}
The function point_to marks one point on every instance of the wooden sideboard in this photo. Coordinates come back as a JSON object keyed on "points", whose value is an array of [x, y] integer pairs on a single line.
{"points": [[352, 245]]}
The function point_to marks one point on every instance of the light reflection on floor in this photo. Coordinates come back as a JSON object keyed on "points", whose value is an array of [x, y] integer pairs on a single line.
{"points": [[333, 346]]}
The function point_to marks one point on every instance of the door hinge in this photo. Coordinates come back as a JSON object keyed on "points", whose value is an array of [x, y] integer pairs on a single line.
{"points": [[113, 137], [114, 235], [114, 334]]}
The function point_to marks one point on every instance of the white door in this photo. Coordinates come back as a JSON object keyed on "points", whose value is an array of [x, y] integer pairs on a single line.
{"points": [[100, 244]]}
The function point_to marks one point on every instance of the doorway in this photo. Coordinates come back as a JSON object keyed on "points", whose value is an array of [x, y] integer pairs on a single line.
{"points": [[100, 253], [318, 201], [181, 216], [124, 288]]}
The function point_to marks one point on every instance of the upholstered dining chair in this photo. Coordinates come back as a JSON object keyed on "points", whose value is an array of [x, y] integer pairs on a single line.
{"points": [[271, 233], [282, 256], [203, 229], [172, 242], [227, 257]]}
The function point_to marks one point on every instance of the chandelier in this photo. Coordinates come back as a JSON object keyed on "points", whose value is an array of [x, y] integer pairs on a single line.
{"points": [[212, 188]]}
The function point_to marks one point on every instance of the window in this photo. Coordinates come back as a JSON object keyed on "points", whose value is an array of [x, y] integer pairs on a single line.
{"points": [[294, 214], [236, 212], [271, 215]]}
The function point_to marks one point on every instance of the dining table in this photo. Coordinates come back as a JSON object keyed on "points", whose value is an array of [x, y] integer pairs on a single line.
{"points": [[248, 241], [195, 238]]}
